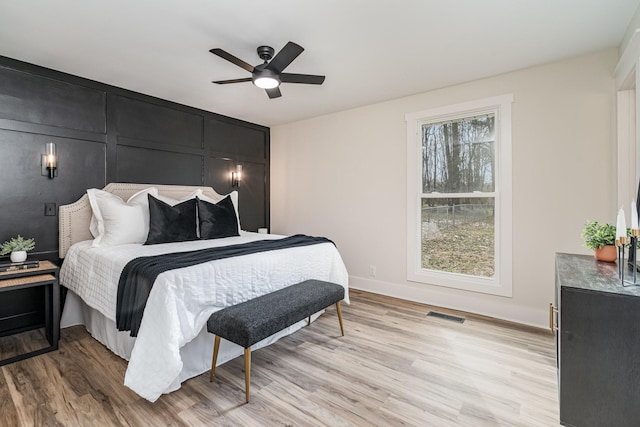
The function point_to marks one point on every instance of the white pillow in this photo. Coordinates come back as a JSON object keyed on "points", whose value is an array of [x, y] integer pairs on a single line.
{"points": [[93, 225], [119, 222], [172, 202], [234, 200]]}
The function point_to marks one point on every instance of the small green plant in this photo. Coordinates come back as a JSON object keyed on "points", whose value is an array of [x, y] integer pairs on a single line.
{"points": [[597, 235], [16, 244]]}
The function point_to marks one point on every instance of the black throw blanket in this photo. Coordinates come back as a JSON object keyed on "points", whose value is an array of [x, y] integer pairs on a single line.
{"points": [[138, 276]]}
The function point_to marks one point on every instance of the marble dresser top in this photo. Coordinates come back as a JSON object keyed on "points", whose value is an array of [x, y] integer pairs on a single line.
{"points": [[584, 272]]}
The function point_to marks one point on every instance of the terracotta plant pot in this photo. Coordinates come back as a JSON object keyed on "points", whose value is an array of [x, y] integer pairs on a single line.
{"points": [[608, 253]]}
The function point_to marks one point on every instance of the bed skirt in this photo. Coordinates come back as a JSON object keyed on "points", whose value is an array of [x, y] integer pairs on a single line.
{"points": [[196, 355]]}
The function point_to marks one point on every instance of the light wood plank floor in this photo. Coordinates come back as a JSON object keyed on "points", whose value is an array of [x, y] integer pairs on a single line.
{"points": [[394, 367]]}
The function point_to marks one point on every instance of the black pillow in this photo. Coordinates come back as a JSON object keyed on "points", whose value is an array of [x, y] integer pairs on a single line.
{"points": [[171, 223], [217, 220]]}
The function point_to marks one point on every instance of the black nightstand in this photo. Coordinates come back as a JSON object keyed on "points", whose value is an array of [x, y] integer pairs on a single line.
{"points": [[45, 275]]}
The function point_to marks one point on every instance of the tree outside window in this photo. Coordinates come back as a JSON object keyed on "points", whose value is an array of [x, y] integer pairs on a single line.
{"points": [[458, 159]]}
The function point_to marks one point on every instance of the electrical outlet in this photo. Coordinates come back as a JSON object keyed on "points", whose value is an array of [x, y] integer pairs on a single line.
{"points": [[372, 270], [49, 209]]}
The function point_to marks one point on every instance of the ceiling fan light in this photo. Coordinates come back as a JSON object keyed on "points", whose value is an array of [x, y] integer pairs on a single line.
{"points": [[266, 82]]}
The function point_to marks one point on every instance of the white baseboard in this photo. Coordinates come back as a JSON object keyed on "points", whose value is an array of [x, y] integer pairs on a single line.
{"points": [[498, 307]]}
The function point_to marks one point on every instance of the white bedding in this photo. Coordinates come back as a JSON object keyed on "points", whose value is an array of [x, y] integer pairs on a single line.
{"points": [[182, 300]]}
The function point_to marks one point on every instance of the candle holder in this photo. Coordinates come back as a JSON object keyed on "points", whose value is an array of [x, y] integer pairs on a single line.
{"points": [[620, 247], [633, 247]]}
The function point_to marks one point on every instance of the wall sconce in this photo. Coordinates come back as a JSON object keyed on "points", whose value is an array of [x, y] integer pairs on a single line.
{"points": [[236, 176], [50, 161]]}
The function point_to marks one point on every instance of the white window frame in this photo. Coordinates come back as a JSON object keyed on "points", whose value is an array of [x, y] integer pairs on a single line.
{"points": [[501, 282]]}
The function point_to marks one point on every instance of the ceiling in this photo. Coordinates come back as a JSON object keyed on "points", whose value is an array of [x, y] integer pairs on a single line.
{"points": [[370, 50]]}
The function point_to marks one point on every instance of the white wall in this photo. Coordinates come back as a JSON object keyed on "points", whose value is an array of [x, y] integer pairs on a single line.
{"points": [[344, 176], [632, 29]]}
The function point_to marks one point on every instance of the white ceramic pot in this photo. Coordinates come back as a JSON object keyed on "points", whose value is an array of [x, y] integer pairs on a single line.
{"points": [[18, 256]]}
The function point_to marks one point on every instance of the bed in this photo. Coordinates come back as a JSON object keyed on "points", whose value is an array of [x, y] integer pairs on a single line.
{"points": [[172, 344]]}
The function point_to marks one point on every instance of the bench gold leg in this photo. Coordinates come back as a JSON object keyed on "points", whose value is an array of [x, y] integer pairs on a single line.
{"points": [[340, 317], [247, 371], [216, 346]]}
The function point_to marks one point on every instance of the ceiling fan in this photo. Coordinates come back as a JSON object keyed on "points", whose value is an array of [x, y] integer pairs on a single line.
{"points": [[269, 74]]}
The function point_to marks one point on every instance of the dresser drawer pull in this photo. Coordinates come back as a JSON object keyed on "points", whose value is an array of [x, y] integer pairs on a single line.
{"points": [[553, 326]]}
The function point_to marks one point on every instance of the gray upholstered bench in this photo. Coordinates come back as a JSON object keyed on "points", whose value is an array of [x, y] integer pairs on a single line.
{"points": [[251, 321]]}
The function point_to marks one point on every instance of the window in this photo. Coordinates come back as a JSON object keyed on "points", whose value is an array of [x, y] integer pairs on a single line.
{"points": [[459, 196]]}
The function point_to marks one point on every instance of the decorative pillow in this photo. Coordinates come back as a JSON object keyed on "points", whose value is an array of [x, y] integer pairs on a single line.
{"points": [[217, 220], [172, 202], [119, 222], [171, 223], [234, 200]]}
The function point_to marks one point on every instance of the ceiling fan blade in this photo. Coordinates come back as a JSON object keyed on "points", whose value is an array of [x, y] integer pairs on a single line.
{"points": [[309, 79], [224, 82], [226, 55], [285, 57], [273, 93]]}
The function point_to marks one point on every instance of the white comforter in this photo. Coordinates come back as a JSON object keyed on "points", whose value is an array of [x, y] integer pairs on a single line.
{"points": [[182, 300]]}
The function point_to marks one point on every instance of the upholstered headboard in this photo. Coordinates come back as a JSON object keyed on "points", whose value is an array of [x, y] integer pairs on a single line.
{"points": [[74, 219]]}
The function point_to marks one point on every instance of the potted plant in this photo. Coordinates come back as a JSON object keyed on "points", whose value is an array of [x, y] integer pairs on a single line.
{"points": [[602, 239], [18, 248]]}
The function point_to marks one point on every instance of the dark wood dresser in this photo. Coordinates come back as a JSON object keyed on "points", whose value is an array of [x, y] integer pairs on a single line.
{"points": [[598, 344]]}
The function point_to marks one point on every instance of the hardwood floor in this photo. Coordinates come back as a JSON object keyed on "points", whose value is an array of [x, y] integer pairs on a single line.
{"points": [[394, 366]]}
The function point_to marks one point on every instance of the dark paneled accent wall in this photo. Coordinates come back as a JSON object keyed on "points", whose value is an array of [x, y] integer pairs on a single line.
{"points": [[107, 134]]}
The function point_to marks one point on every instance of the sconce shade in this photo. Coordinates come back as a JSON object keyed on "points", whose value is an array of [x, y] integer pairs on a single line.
{"points": [[51, 155], [236, 176], [51, 159]]}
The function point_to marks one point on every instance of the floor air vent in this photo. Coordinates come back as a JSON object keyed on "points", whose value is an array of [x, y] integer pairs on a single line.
{"points": [[446, 317]]}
